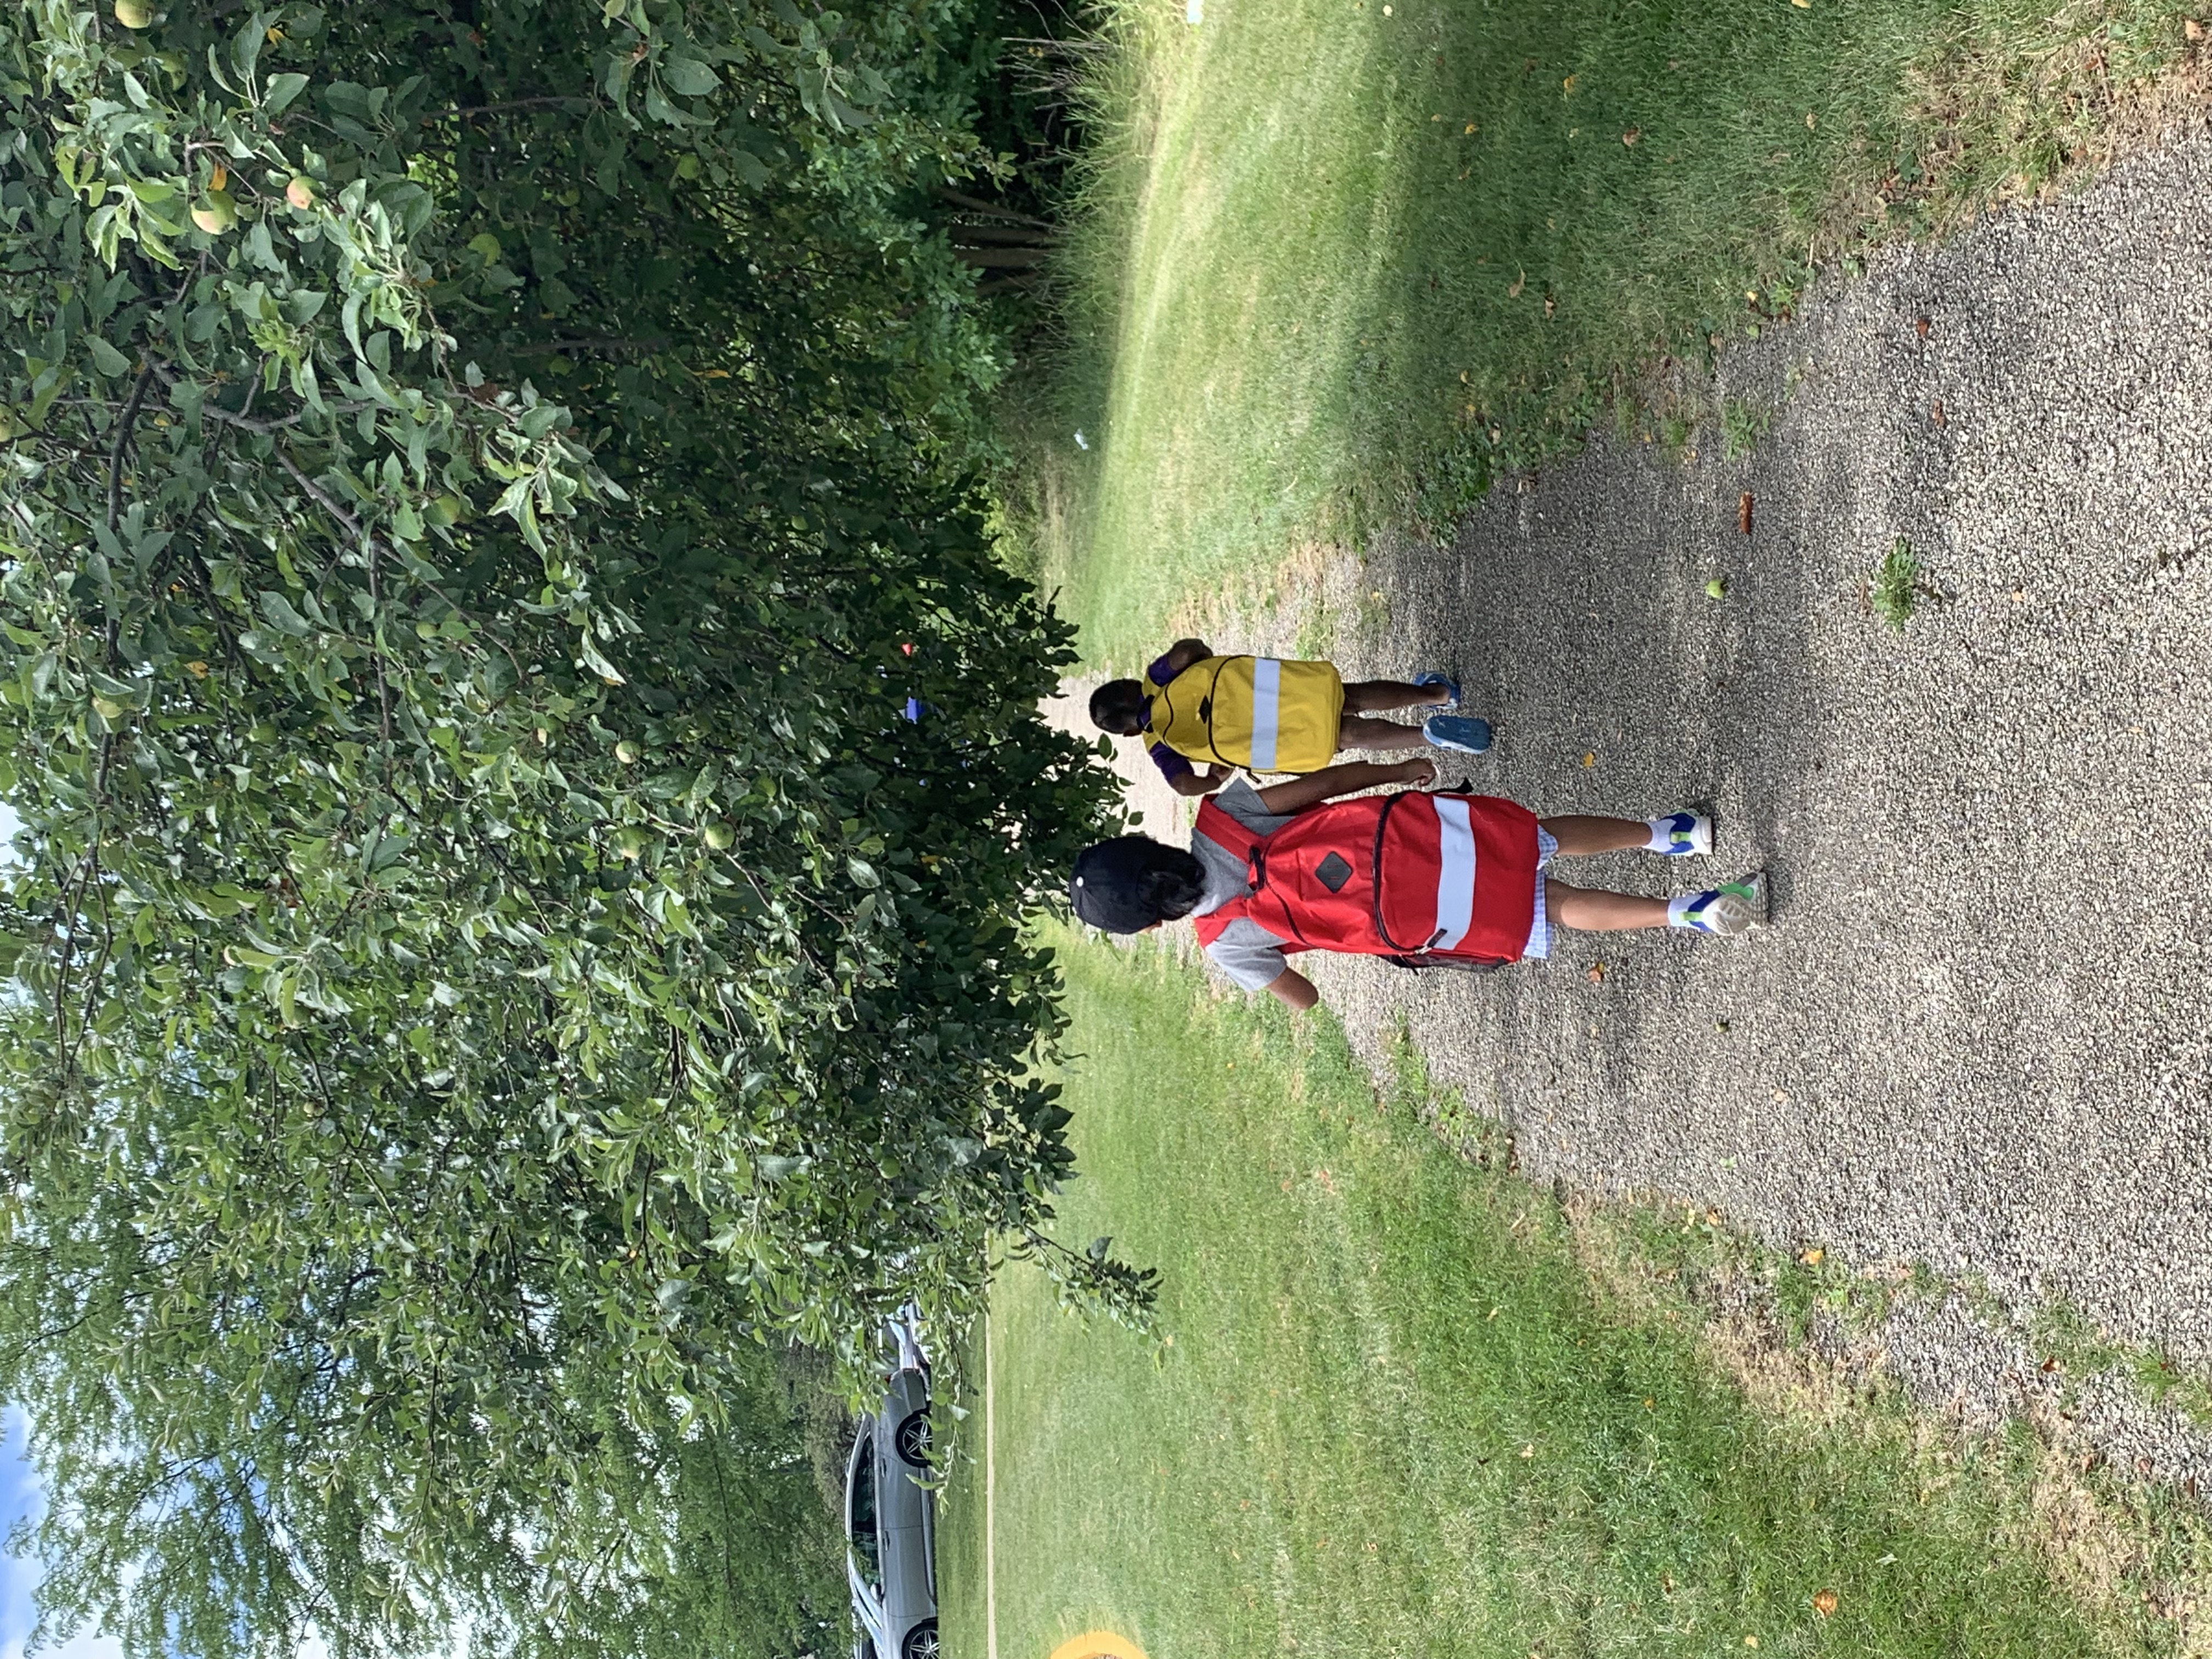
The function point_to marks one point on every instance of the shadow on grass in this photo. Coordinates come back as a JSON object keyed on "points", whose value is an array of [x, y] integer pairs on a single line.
{"points": [[1336, 262]]}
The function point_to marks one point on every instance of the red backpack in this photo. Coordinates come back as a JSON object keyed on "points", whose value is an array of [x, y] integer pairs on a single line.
{"points": [[1447, 879]]}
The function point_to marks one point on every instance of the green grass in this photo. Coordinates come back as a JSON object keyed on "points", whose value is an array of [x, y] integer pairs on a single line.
{"points": [[1405, 1402], [1894, 593], [1742, 425], [1331, 267]]}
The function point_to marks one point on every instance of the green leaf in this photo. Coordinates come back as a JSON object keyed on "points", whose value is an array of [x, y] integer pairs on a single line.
{"points": [[105, 358], [689, 76], [279, 611], [280, 91], [246, 46]]}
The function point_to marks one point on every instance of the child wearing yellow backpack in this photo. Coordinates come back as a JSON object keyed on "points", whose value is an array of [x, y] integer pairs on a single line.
{"points": [[1270, 715]]}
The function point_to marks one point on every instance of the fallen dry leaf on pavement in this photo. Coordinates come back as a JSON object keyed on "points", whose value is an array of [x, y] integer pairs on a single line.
{"points": [[1743, 514], [1936, 412], [1813, 1257], [1595, 973], [1920, 327]]}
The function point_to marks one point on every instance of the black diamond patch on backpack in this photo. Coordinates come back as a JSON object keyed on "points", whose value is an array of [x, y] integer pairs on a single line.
{"points": [[1334, 872]]}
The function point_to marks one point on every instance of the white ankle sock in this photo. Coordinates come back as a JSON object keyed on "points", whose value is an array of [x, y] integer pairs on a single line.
{"points": [[1674, 834]]}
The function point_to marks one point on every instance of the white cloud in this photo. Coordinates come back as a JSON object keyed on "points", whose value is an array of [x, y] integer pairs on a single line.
{"points": [[82, 1645]]}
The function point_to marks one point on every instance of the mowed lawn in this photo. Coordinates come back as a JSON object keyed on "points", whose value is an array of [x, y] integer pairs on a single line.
{"points": [[1390, 1411], [1338, 260]]}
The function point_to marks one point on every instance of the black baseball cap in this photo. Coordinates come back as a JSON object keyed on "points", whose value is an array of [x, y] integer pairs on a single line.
{"points": [[1108, 883]]}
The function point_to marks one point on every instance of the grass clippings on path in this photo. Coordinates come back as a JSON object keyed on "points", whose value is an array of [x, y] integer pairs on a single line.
{"points": [[1338, 259], [1404, 1402]]}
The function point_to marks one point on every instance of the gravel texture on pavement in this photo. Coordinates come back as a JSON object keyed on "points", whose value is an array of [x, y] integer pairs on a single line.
{"points": [[1977, 1036]]}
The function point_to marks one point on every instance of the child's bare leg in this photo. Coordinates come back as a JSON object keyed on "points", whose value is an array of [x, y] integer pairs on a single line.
{"points": [[1580, 834], [1595, 912], [1380, 696], [1357, 733]]}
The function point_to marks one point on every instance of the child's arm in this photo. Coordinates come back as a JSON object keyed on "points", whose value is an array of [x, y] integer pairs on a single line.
{"points": [[1347, 779], [1293, 990], [1180, 656], [1195, 782]]}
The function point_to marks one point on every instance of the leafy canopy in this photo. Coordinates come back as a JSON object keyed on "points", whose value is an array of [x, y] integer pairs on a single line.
{"points": [[486, 490]]}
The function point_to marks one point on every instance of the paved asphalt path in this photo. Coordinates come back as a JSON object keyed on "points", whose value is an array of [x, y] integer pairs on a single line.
{"points": [[1978, 1035]]}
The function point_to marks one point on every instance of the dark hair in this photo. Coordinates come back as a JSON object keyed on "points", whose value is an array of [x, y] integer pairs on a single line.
{"points": [[1126, 885], [1118, 707]]}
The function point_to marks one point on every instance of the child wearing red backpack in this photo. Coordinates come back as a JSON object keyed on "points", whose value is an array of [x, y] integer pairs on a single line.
{"points": [[1443, 879]]}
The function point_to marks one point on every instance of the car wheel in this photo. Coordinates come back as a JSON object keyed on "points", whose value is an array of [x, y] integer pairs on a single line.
{"points": [[921, 1641], [913, 1439]]}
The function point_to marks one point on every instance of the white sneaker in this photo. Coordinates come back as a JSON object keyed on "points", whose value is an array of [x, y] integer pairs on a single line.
{"points": [[1737, 907], [1689, 834]]}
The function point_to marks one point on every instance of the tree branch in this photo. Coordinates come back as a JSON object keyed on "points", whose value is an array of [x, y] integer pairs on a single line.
{"points": [[214, 412], [316, 493], [124, 423], [375, 550], [976, 205], [466, 110], [600, 343], [243, 420]]}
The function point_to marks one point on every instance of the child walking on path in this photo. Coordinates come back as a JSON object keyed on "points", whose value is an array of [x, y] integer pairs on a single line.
{"points": [[1270, 715], [1443, 878]]}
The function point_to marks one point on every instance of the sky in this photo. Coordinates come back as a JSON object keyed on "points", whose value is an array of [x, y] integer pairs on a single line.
{"points": [[19, 1578], [20, 1495]]}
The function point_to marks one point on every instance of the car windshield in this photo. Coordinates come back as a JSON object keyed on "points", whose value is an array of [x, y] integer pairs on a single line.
{"points": [[860, 1513]]}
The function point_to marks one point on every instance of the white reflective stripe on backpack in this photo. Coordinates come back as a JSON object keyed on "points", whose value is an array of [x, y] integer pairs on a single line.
{"points": [[1267, 700], [1455, 872]]}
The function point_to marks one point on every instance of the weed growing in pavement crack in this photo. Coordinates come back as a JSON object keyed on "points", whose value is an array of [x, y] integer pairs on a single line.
{"points": [[1743, 423], [1895, 592]]}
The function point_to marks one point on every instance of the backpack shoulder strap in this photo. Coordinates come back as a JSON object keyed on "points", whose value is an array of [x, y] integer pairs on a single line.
{"points": [[1233, 838], [1224, 831]]}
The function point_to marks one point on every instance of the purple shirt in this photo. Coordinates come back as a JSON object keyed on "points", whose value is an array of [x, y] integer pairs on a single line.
{"points": [[1172, 766]]}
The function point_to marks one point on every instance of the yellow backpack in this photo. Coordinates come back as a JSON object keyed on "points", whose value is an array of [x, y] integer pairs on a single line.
{"points": [[1257, 711]]}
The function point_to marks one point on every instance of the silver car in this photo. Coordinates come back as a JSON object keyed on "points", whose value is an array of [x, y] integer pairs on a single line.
{"points": [[890, 1518]]}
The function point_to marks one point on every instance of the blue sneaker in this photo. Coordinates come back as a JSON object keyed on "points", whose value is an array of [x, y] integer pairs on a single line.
{"points": [[1444, 680], [1733, 907], [1464, 733], [1687, 833]]}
